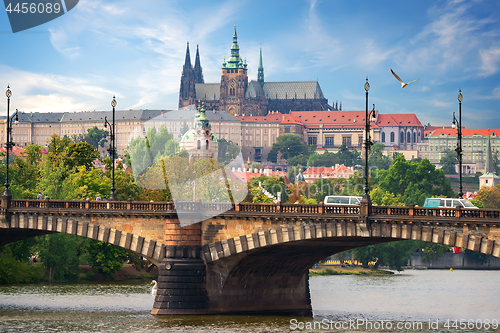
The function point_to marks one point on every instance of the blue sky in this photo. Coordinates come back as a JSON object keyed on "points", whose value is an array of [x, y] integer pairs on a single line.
{"points": [[136, 49]]}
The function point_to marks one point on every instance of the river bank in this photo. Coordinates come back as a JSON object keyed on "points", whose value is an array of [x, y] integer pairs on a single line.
{"points": [[352, 270], [127, 272]]}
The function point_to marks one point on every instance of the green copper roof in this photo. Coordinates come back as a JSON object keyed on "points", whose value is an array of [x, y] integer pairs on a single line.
{"points": [[260, 71], [234, 61]]}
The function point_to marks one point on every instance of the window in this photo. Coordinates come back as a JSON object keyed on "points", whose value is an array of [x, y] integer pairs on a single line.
{"points": [[287, 129], [401, 137], [392, 136], [329, 141], [383, 137], [312, 140], [346, 139], [199, 144], [206, 144], [414, 137], [408, 137]]}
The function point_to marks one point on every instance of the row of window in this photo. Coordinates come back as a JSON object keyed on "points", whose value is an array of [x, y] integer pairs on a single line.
{"points": [[401, 137]]}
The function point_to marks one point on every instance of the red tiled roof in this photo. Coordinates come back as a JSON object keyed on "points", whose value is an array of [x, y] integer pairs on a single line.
{"points": [[466, 132], [398, 119], [330, 117], [289, 119]]}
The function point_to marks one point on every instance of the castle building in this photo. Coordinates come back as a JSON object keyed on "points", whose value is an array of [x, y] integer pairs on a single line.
{"points": [[238, 96]]}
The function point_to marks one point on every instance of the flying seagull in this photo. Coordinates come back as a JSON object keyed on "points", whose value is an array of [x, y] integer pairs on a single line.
{"points": [[403, 84]]}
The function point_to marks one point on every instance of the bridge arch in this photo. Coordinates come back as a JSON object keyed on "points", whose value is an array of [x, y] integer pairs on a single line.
{"points": [[270, 267], [22, 226]]}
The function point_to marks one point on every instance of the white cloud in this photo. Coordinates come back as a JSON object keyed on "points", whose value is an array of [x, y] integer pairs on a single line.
{"points": [[36, 92], [490, 59]]}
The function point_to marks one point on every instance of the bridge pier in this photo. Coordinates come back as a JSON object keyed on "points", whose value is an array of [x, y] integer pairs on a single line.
{"points": [[181, 283]]}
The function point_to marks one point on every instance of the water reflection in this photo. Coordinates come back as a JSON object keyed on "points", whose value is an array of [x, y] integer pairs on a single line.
{"points": [[416, 296]]}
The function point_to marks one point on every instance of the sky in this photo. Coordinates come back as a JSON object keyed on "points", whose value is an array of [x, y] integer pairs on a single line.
{"points": [[135, 50]]}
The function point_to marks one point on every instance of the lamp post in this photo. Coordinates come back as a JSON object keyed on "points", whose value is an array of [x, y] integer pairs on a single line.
{"points": [[112, 148], [458, 125], [368, 142], [9, 144]]}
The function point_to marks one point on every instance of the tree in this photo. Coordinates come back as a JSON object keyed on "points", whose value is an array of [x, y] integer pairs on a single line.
{"points": [[386, 198], [156, 145], [343, 156], [377, 158], [96, 137], [394, 254], [59, 254], [79, 154], [414, 181], [288, 145], [86, 183], [33, 154], [489, 196], [105, 257], [272, 184], [448, 161], [227, 151]]}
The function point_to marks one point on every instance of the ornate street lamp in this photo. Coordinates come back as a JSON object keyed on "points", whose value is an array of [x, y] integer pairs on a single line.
{"points": [[9, 144], [112, 148], [458, 125], [369, 116]]}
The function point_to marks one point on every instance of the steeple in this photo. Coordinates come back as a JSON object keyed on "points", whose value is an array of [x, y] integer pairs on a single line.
{"points": [[198, 72], [187, 62], [187, 92], [235, 60], [489, 178], [489, 159], [260, 73]]}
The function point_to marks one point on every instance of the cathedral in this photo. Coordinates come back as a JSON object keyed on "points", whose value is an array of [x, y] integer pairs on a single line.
{"points": [[237, 96]]}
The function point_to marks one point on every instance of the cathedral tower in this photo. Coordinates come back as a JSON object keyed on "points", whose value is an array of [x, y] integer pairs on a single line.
{"points": [[189, 78], [234, 80]]}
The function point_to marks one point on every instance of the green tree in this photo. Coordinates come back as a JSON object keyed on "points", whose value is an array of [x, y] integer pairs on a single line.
{"points": [[288, 145], [414, 181], [448, 161], [33, 154], [227, 150], [393, 254], [377, 158], [94, 136], [79, 154], [104, 257], [59, 254], [272, 184], [145, 151], [86, 183], [386, 198]]}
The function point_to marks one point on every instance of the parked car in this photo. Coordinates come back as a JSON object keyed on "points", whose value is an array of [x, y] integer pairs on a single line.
{"points": [[342, 200], [448, 203]]}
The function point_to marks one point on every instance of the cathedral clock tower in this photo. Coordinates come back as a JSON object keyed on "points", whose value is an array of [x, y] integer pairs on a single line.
{"points": [[234, 81]]}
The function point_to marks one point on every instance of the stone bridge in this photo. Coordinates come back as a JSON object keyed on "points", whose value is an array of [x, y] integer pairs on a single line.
{"points": [[250, 258]]}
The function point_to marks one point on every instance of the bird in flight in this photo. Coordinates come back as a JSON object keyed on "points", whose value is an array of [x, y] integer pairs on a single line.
{"points": [[403, 84]]}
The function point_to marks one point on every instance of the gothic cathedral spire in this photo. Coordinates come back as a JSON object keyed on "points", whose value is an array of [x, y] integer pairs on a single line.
{"points": [[187, 92], [198, 72], [260, 72]]}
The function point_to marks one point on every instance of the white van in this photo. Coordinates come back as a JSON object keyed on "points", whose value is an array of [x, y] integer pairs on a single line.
{"points": [[342, 200]]}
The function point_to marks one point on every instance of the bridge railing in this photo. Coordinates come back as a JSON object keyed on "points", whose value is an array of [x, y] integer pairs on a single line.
{"points": [[268, 208]]}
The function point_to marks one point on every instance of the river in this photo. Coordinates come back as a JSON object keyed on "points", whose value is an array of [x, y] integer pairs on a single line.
{"points": [[412, 301]]}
